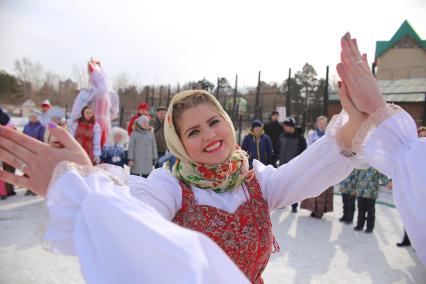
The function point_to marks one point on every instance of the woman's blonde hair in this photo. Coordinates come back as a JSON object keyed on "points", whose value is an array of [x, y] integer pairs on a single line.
{"points": [[187, 103]]}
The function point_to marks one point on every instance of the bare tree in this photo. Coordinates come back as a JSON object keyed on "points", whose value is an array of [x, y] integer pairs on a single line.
{"points": [[80, 76], [122, 81], [29, 72]]}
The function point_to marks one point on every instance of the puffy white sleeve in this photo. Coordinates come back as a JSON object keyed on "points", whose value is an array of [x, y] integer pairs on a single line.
{"points": [[115, 105], [120, 239], [84, 97], [97, 140], [317, 168], [395, 150], [73, 128]]}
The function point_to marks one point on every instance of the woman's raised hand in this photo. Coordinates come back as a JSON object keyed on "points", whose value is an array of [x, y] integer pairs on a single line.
{"points": [[36, 159], [360, 84]]}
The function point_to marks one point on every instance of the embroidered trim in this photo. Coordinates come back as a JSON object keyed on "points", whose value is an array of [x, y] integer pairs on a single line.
{"points": [[373, 121], [118, 178], [367, 128]]}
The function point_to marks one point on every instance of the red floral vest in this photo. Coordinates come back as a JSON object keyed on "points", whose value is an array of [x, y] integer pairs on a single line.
{"points": [[84, 136], [246, 235]]}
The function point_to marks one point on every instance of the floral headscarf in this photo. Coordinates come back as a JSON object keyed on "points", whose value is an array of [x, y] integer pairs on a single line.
{"points": [[221, 177]]}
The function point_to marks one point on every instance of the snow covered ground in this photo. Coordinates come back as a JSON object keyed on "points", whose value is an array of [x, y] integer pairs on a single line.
{"points": [[312, 251]]}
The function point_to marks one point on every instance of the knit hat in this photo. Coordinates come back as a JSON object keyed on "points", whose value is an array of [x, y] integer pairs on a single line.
{"points": [[256, 123], [161, 108], [142, 120], [57, 112], [46, 103], [290, 121], [143, 106], [35, 112]]}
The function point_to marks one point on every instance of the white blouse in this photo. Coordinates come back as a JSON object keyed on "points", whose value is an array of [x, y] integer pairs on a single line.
{"points": [[118, 225]]}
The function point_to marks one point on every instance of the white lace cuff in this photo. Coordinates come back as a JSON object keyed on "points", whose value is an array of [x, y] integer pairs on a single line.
{"points": [[117, 174], [363, 134]]}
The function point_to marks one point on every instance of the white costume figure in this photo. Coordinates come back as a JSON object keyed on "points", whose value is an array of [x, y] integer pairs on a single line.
{"points": [[104, 102]]}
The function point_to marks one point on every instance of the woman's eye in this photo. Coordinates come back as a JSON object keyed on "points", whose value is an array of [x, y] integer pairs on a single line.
{"points": [[214, 122], [192, 133]]}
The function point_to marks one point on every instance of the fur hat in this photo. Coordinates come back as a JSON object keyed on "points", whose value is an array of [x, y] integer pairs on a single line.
{"points": [[290, 121], [118, 130]]}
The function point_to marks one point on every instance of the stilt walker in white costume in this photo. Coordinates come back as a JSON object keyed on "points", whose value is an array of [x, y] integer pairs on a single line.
{"points": [[120, 226], [103, 101]]}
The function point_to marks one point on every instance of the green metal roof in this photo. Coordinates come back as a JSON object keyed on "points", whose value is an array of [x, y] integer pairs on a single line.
{"points": [[404, 30]]}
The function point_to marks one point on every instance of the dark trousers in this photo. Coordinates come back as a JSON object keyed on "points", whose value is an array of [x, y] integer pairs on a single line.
{"points": [[140, 175], [366, 212], [348, 207], [9, 187], [159, 155]]}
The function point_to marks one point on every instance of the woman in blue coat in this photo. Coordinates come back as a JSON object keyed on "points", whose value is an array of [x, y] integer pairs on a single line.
{"points": [[257, 144]]}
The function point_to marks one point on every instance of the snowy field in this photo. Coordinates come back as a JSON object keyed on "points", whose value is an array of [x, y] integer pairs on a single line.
{"points": [[312, 251]]}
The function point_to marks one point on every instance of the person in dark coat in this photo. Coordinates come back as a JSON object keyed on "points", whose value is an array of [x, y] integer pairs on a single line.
{"points": [[157, 124], [257, 144], [290, 144], [273, 129]]}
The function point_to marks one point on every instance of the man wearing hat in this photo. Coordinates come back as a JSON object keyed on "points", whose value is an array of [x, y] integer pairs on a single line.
{"points": [[257, 144], [290, 144], [273, 129], [143, 109], [44, 116], [157, 123]]}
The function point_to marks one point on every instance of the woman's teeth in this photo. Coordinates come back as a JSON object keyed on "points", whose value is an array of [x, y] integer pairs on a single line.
{"points": [[213, 147]]}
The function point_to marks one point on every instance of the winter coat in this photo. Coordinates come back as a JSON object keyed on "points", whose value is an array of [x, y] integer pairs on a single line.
{"points": [[4, 118], [159, 134], [35, 130], [142, 151], [347, 186], [367, 182], [259, 148], [114, 155], [289, 146]]}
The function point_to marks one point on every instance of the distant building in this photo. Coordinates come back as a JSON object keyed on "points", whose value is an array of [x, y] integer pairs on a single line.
{"points": [[400, 68], [402, 57]]}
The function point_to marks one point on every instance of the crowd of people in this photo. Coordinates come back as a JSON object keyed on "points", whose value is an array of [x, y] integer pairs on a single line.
{"points": [[142, 147]]}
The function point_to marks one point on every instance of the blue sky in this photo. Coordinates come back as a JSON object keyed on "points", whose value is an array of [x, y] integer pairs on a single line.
{"points": [[175, 41]]}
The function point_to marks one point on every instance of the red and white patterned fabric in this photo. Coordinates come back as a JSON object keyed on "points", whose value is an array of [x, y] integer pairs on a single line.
{"points": [[245, 235]]}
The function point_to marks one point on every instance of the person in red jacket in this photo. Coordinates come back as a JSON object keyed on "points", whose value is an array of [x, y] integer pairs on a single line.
{"points": [[143, 109]]}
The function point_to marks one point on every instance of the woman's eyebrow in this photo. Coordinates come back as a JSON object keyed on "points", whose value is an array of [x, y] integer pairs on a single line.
{"points": [[197, 126]]}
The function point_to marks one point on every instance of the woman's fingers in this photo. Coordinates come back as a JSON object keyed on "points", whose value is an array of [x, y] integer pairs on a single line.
{"points": [[23, 140], [345, 100], [17, 150], [14, 161], [64, 137], [22, 181]]}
